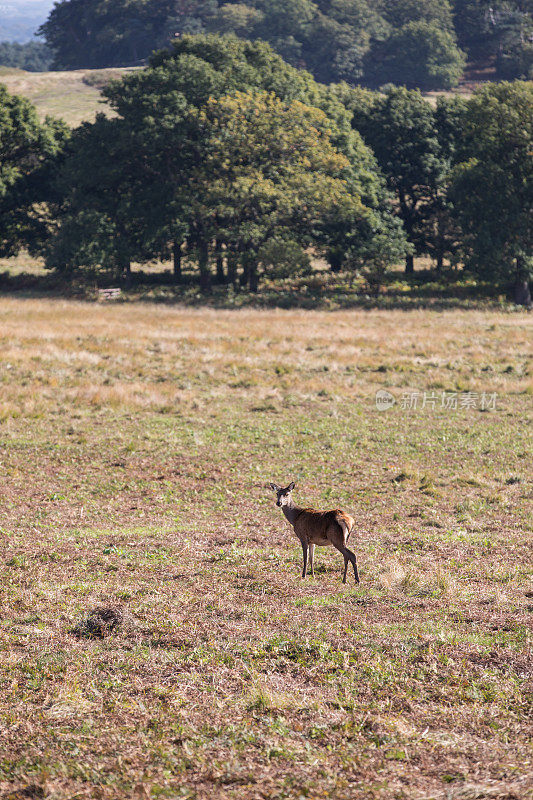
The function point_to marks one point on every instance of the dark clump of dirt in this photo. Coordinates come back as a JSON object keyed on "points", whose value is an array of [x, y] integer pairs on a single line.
{"points": [[27, 793], [100, 622], [504, 660]]}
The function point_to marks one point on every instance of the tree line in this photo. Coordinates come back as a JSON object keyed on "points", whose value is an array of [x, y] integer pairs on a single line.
{"points": [[416, 43], [223, 156], [32, 56]]}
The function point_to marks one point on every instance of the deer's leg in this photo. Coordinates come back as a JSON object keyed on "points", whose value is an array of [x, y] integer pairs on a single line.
{"points": [[337, 540], [312, 559], [348, 555], [353, 559], [305, 548]]}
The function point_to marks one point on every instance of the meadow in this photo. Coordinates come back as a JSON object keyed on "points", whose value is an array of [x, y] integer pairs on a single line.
{"points": [[137, 444], [73, 96]]}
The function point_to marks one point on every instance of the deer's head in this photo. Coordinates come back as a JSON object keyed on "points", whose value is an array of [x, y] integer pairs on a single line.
{"points": [[283, 495]]}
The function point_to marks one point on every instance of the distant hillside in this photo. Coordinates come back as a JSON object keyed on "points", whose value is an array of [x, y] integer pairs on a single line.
{"points": [[20, 19]]}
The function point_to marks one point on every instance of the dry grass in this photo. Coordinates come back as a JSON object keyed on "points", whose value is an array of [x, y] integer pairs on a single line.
{"points": [[136, 445], [65, 95]]}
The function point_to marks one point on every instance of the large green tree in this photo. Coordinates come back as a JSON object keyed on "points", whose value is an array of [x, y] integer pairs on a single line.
{"points": [[401, 127], [269, 174], [28, 149], [341, 37], [497, 29], [32, 56], [105, 33], [419, 54], [103, 197], [152, 163], [492, 186], [402, 12]]}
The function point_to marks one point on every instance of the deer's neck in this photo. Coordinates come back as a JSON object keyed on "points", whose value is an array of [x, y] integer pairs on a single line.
{"points": [[291, 513]]}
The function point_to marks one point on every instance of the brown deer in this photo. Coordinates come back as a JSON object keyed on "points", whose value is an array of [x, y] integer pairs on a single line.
{"points": [[322, 528]]}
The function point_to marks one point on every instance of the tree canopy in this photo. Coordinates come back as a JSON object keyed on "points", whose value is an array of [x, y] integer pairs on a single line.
{"points": [[28, 151], [228, 160], [102, 33], [403, 130], [421, 43], [335, 39], [222, 146], [492, 183], [418, 55], [500, 30]]}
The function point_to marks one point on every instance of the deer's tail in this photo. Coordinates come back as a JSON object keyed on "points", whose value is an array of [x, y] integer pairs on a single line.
{"points": [[347, 524]]}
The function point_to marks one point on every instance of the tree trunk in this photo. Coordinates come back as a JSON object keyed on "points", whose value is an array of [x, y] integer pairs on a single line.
{"points": [[440, 261], [335, 259], [203, 263], [123, 259], [176, 252], [221, 278], [522, 293], [245, 271], [254, 277], [232, 266], [125, 271], [407, 215]]}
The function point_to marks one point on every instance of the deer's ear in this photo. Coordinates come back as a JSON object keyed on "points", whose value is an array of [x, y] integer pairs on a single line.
{"points": [[274, 487], [291, 486]]}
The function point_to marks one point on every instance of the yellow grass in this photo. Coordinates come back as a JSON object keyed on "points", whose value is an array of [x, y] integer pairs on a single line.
{"points": [[75, 349], [64, 95]]}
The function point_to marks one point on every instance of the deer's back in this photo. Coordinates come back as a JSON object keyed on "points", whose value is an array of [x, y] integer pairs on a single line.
{"points": [[315, 525]]}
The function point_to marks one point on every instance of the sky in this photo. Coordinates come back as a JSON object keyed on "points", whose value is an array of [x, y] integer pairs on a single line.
{"points": [[19, 19]]}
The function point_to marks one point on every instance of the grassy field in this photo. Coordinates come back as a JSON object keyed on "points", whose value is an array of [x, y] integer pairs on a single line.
{"points": [[72, 96], [137, 444]]}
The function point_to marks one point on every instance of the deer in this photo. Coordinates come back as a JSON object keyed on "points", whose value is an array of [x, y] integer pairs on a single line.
{"points": [[317, 528]]}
